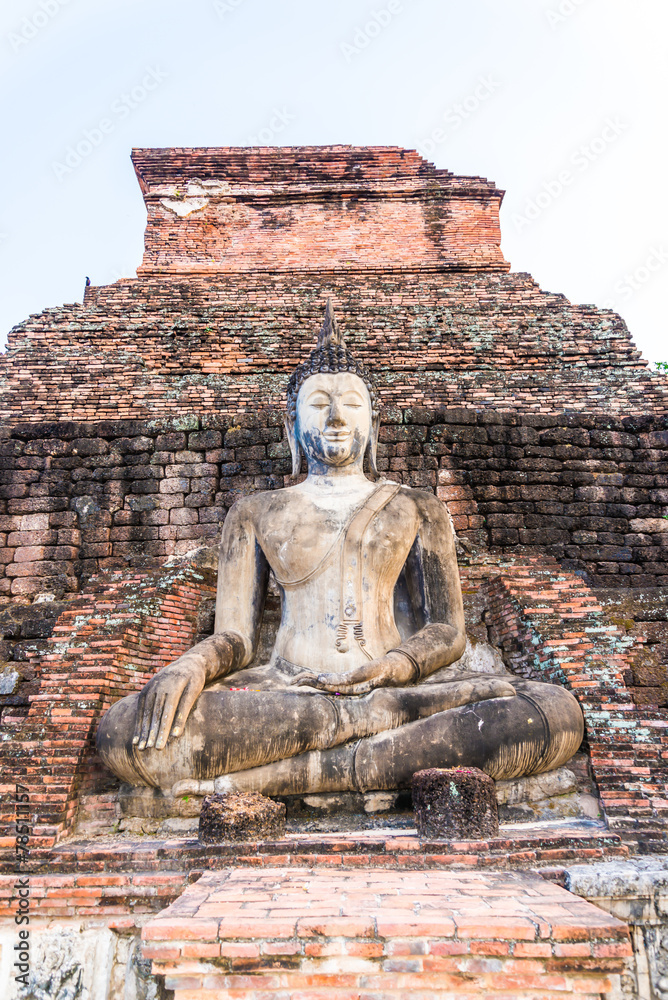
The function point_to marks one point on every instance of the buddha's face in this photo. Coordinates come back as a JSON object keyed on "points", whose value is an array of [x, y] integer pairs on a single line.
{"points": [[333, 419]]}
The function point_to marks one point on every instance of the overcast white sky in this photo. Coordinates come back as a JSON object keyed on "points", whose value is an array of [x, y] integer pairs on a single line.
{"points": [[562, 103]]}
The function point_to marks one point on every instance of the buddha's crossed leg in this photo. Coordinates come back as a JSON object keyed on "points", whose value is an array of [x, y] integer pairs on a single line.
{"points": [[295, 741]]}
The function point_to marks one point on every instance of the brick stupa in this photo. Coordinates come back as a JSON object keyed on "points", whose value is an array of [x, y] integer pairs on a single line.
{"points": [[132, 422], [242, 247]]}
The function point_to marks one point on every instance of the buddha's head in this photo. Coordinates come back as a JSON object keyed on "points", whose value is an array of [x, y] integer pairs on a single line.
{"points": [[333, 412]]}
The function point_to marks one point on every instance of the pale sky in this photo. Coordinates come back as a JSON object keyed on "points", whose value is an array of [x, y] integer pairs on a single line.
{"points": [[563, 103]]}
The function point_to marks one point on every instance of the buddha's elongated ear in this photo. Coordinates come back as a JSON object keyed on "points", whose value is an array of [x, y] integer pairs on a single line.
{"points": [[295, 450], [372, 448]]}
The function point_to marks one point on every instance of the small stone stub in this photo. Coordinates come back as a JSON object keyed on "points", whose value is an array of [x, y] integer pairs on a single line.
{"points": [[457, 803], [241, 817]]}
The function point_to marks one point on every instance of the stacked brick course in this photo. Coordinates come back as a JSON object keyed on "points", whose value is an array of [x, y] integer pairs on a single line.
{"points": [[643, 614], [307, 930], [562, 433], [107, 644], [83, 497], [176, 344], [553, 628], [309, 208], [243, 247]]}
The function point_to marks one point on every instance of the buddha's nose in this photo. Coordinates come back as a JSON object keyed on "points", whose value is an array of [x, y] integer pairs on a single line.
{"points": [[335, 418]]}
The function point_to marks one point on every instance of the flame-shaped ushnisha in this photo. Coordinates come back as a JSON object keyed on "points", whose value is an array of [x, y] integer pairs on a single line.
{"points": [[330, 356]]}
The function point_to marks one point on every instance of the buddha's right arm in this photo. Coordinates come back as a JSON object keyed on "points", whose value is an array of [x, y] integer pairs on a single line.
{"points": [[243, 574], [166, 701]]}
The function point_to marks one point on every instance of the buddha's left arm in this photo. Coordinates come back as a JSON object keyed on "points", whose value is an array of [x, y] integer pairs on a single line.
{"points": [[432, 576]]}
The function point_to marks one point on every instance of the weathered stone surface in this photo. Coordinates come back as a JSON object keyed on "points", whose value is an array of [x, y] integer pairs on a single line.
{"points": [[539, 786], [635, 891], [643, 614], [554, 795], [456, 803], [244, 816], [348, 803], [482, 658], [9, 678]]}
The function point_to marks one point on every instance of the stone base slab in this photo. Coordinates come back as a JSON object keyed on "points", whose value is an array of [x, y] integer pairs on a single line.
{"points": [[291, 933]]}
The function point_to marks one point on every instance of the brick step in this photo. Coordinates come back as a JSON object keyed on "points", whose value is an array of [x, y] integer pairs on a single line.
{"points": [[514, 849], [373, 933]]}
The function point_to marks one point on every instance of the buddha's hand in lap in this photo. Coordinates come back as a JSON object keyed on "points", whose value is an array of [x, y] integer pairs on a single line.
{"points": [[165, 702], [396, 670], [391, 670]]}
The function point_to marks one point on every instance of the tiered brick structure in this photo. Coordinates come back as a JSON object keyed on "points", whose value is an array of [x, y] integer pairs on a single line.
{"points": [[132, 422]]}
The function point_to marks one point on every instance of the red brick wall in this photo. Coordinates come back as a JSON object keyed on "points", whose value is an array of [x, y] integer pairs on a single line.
{"points": [[552, 628], [192, 345], [107, 644], [82, 497], [312, 208]]}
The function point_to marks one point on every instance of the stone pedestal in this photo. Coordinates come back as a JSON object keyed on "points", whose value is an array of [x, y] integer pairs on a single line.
{"points": [[457, 803], [245, 816]]}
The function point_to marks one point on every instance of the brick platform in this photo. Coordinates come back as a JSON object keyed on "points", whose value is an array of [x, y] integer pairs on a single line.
{"points": [[542, 845], [308, 933]]}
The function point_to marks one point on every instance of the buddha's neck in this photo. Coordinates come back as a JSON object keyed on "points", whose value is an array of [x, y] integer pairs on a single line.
{"points": [[350, 484]]}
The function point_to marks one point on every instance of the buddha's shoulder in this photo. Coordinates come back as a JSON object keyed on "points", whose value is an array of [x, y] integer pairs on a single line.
{"points": [[262, 503], [423, 502], [255, 504]]}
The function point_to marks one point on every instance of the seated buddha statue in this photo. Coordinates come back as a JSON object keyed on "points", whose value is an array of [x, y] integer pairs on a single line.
{"points": [[366, 683]]}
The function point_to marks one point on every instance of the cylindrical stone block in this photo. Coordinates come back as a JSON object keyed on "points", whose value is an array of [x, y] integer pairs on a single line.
{"points": [[241, 817], [455, 803]]}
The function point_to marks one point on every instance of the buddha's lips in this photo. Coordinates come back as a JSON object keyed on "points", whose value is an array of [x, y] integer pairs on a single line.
{"points": [[337, 435]]}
